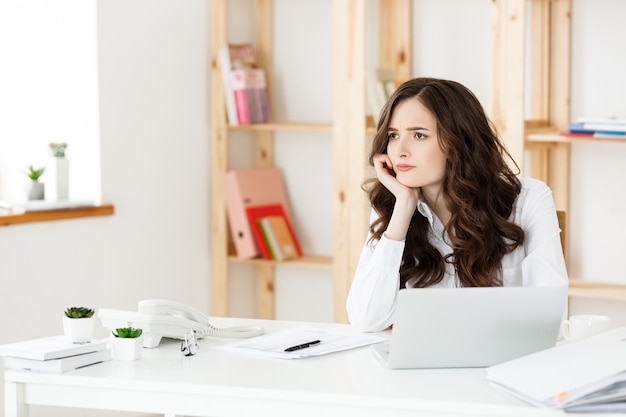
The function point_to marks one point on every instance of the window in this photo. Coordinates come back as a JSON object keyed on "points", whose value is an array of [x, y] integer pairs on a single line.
{"points": [[49, 93]]}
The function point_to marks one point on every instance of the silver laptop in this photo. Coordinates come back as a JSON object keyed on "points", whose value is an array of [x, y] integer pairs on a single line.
{"points": [[472, 327]]}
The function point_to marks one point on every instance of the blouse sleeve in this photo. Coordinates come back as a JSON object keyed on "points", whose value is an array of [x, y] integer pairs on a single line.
{"points": [[372, 298], [544, 263]]}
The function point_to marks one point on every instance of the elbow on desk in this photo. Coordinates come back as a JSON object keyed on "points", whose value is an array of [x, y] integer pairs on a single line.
{"points": [[365, 324]]}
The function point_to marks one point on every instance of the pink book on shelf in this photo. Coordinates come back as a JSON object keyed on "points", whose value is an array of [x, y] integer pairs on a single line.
{"points": [[244, 188], [257, 85], [241, 95]]}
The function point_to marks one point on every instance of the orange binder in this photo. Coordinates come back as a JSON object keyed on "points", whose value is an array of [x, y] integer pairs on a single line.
{"points": [[245, 188], [255, 214], [279, 237]]}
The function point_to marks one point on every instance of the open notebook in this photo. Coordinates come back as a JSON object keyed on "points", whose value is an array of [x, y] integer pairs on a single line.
{"points": [[472, 327]]}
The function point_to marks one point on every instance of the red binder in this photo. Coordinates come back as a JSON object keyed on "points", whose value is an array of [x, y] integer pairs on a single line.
{"points": [[245, 188]]}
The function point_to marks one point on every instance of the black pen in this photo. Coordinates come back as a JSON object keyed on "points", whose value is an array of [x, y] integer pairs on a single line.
{"points": [[302, 346]]}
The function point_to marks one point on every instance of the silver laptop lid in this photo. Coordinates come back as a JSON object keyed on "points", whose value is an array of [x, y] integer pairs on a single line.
{"points": [[473, 327]]}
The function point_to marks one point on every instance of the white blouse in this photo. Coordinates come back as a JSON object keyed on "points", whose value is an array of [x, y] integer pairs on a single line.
{"points": [[539, 262]]}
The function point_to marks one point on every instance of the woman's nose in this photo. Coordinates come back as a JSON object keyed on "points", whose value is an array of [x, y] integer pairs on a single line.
{"points": [[402, 150]]}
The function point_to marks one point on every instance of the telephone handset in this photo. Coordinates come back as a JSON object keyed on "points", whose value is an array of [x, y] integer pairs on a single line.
{"points": [[165, 318]]}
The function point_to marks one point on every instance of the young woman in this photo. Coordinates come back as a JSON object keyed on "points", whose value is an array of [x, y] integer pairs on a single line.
{"points": [[447, 210]]}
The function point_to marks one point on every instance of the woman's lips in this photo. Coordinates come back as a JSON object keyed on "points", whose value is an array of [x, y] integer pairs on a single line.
{"points": [[404, 167]]}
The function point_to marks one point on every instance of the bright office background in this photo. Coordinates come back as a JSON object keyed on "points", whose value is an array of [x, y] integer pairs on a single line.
{"points": [[126, 85]]}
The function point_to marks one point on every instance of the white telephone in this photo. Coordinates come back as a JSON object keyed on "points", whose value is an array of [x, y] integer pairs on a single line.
{"points": [[165, 318]]}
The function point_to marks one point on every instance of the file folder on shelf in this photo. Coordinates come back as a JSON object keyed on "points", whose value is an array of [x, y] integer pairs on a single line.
{"points": [[246, 188]]}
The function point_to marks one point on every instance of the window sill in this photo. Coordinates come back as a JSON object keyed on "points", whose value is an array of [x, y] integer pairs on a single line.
{"points": [[50, 215]]}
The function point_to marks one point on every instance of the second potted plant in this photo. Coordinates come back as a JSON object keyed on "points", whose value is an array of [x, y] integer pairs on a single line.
{"points": [[37, 188], [126, 343]]}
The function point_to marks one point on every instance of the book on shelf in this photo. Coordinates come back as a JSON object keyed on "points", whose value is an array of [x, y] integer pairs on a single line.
{"points": [[597, 130], [256, 85], [241, 94], [256, 215], [380, 84], [252, 187], [598, 126], [245, 85], [601, 120], [59, 365], [279, 237], [53, 347], [231, 111], [234, 56], [586, 375]]}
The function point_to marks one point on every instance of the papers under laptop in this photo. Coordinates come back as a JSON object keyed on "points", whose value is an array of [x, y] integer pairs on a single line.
{"points": [[472, 327]]}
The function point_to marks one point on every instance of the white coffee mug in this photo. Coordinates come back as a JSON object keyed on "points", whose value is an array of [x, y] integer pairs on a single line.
{"points": [[584, 325]]}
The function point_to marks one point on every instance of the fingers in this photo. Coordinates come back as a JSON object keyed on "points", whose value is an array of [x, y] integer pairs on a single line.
{"points": [[383, 162]]}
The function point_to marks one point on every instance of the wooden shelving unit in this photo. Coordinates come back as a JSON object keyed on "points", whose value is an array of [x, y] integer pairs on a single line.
{"points": [[525, 124], [349, 145], [534, 124], [547, 110]]}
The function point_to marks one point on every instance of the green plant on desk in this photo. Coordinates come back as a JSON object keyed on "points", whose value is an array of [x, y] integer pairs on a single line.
{"points": [[127, 333], [35, 173], [79, 312]]}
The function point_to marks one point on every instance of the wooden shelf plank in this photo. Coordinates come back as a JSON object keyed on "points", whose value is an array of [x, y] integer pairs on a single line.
{"points": [[288, 126], [555, 137], [292, 126], [50, 215], [306, 261], [597, 290]]}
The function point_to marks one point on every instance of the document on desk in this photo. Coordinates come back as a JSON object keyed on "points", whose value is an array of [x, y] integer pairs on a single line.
{"points": [[584, 376], [300, 342]]}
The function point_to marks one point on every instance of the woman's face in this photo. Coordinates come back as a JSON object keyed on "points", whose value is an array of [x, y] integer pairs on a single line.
{"points": [[413, 147]]}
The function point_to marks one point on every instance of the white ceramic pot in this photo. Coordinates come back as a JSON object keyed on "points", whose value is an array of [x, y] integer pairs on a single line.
{"points": [[37, 191], [78, 330], [58, 178], [126, 349]]}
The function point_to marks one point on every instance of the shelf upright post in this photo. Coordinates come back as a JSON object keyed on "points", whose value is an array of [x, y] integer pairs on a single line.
{"points": [[349, 146], [560, 87], [265, 146], [218, 160], [508, 28]]}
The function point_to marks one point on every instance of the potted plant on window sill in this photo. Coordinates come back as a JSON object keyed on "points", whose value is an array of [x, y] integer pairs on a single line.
{"points": [[37, 190], [78, 323], [126, 343], [58, 180]]}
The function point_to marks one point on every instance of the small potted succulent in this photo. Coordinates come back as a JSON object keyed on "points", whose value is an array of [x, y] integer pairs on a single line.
{"points": [[78, 323], [127, 343], [37, 191], [58, 149], [59, 172]]}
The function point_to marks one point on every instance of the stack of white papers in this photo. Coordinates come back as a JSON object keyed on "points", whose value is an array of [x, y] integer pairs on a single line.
{"points": [[588, 375], [273, 345], [54, 354]]}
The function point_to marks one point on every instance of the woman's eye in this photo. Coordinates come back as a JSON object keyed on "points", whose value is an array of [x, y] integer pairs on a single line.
{"points": [[419, 135], [392, 136]]}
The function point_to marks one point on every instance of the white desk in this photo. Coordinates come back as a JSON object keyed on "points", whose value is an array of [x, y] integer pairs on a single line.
{"points": [[214, 383]]}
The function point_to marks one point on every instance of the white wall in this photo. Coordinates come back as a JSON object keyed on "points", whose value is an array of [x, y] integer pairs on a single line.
{"points": [[154, 143]]}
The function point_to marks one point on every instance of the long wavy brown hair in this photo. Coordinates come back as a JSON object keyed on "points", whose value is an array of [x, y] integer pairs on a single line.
{"points": [[479, 186]]}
